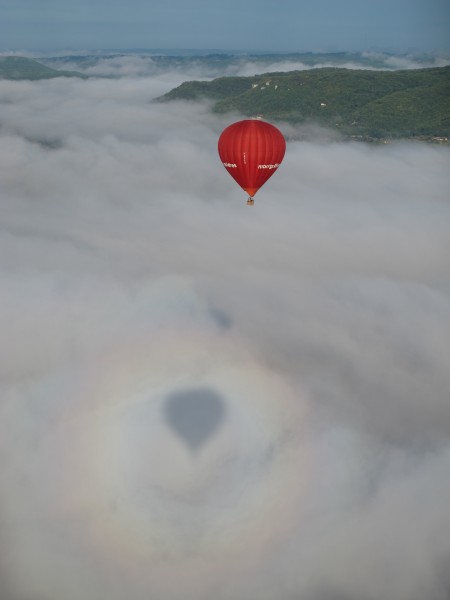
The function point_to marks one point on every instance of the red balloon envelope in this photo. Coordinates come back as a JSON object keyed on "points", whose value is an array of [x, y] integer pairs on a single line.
{"points": [[251, 151]]}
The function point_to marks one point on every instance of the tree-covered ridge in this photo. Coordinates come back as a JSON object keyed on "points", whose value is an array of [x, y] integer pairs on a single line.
{"points": [[19, 67], [357, 102]]}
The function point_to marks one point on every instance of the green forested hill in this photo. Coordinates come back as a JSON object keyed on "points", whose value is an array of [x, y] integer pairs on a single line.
{"points": [[359, 103], [18, 67]]}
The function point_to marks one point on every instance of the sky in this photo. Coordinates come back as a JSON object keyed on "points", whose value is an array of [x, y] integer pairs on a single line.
{"points": [[201, 399], [264, 25]]}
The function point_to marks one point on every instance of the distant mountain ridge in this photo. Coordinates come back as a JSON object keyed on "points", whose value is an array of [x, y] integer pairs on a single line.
{"points": [[358, 103], [19, 68], [220, 63]]}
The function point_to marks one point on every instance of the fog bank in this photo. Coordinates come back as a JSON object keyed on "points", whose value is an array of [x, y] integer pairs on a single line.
{"points": [[310, 334]]}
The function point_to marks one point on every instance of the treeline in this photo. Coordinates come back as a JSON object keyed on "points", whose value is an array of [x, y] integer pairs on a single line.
{"points": [[19, 68]]}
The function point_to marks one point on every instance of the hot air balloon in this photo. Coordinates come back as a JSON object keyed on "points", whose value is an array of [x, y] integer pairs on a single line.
{"points": [[251, 151]]}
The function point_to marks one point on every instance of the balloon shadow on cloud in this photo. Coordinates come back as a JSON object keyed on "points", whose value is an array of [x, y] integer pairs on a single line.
{"points": [[195, 415]]}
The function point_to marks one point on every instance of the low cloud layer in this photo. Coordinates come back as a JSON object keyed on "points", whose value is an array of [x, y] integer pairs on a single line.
{"points": [[207, 65], [314, 329]]}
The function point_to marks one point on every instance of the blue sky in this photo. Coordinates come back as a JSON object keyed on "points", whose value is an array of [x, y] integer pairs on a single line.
{"points": [[283, 25]]}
